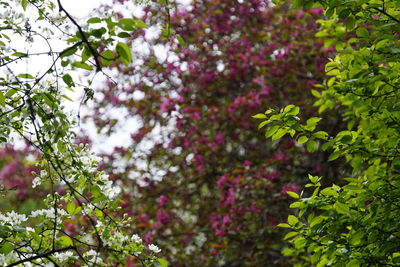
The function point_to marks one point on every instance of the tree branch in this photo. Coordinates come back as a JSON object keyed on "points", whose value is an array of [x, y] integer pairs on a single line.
{"points": [[43, 255], [84, 39]]}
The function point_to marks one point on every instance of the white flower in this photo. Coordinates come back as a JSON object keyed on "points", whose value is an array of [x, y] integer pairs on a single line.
{"points": [[136, 238], [90, 253], [37, 181], [154, 248], [13, 218], [48, 213], [63, 256]]}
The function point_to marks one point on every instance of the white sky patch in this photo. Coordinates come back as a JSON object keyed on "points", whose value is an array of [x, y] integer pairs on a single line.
{"points": [[82, 8]]}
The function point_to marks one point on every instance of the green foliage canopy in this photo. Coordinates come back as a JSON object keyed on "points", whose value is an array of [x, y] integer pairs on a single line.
{"points": [[356, 224]]}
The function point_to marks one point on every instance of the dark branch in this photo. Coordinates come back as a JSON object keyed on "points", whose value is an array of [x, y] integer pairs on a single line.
{"points": [[84, 39], [386, 14], [40, 256]]}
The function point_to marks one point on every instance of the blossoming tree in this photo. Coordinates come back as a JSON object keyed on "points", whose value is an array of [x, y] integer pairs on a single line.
{"points": [[197, 178], [74, 220]]}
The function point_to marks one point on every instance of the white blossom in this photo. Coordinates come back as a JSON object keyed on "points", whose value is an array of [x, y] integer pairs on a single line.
{"points": [[47, 213], [94, 257], [13, 218], [135, 238], [116, 239], [4, 259], [37, 181], [63, 256], [154, 248], [90, 253]]}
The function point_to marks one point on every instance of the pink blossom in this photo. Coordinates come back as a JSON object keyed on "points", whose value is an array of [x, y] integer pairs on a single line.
{"points": [[167, 105], [147, 237], [221, 181], [220, 138], [316, 11], [265, 91], [180, 99], [162, 216], [163, 200], [220, 232], [230, 199], [226, 220], [280, 156], [273, 175], [253, 208], [258, 80]]}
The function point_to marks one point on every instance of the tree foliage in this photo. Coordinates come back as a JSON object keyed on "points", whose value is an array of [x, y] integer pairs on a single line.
{"points": [[74, 219], [202, 183], [355, 224]]}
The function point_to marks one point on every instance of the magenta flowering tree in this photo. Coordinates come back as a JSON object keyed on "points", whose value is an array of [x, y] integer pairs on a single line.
{"points": [[197, 177], [16, 176]]}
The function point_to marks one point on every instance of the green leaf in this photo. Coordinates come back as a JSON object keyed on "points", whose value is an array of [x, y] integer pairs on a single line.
{"points": [[293, 194], [68, 80], [284, 225], [10, 93], [2, 99], [25, 76], [123, 35], [381, 44], [271, 131], [362, 32], [341, 208], [181, 40], [140, 24], [24, 4], [19, 54], [71, 208], [262, 124], [334, 155], [321, 135], [313, 179], [68, 51], [7, 247], [65, 241], [162, 262], [125, 53], [290, 235], [329, 191], [94, 20], [126, 24], [259, 116], [311, 146], [107, 57], [353, 263], [82, 65], [278, 134], [316, 93], [296, 204], [85, 55], [333, 72], [316, 220], [356, 239], [61, 146], [299, 242], [292, 220], [302, 139], [312, 122]]}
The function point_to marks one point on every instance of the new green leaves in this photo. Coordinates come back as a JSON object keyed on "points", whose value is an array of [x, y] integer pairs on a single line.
{"points": [[124, 53]]}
